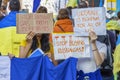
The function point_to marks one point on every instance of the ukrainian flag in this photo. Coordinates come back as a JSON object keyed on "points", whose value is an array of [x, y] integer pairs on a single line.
{"points": [[9, 39]]}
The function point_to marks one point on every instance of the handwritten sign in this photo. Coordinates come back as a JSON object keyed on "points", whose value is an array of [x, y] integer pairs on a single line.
{"points": [[37, 22], [68, 45], [4, 68], [87, 19]]}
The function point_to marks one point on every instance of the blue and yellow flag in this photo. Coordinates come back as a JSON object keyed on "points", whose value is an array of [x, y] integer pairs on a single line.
{"points": [[9, 39], [9, 20]]}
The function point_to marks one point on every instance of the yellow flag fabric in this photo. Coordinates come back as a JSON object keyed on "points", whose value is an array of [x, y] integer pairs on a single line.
{"points": [[113, 25], [116, 59], [10, 40], [72, 3]]}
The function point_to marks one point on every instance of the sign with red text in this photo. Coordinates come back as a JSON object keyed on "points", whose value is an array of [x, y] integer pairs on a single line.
{"points": [[36, 22], [68, 45], [86, 19]]}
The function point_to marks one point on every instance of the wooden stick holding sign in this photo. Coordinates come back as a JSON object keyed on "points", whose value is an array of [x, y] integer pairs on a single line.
{"points": [[36, 22], [68, 45]]}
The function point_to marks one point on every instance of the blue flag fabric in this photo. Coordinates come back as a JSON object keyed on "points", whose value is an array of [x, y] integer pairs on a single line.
{"points": [[37, 52], [101, 3], [118, 40], [36, 4], [9, 20], [89, 76], [118, 5], [41, 68]]}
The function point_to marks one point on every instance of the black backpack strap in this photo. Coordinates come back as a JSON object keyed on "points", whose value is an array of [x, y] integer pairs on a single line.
{"points": [[61, 28]]}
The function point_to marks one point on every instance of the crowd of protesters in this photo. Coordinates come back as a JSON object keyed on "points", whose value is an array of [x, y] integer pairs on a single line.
{"points": [[64, 24]]}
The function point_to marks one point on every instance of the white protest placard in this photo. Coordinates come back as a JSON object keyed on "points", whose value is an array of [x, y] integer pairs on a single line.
{"points": [[27, 4], [87, 19], [36, 22], [68, 45], [4, 68], [49, 4]]}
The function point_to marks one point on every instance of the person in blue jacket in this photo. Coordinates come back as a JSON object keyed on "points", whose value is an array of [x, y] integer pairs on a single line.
{"points": [[10, 19]]}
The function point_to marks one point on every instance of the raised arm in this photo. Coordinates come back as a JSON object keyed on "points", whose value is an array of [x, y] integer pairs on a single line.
{"points": [[24, 50], [99, 57]]}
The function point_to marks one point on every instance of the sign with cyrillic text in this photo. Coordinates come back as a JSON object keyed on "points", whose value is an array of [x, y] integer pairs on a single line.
{"points": [[36, 22], [68, 45], [87, 19]]}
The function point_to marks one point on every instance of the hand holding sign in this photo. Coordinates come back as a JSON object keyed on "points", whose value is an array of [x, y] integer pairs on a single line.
{"points": [[30, 36], [93, 36]]}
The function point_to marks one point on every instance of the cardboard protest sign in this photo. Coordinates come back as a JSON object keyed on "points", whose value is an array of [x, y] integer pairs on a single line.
{"points": [[36, 22], [87, 19], [68, 45], [4, 68]]}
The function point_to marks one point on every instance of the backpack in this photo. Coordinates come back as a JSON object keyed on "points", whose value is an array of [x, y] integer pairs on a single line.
{"points": [[107, 65]]}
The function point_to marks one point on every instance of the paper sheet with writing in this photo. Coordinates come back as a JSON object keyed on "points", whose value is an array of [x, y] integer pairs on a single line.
{"points": [[87, 19], [36, 22], [68, 45], [4, 68]]}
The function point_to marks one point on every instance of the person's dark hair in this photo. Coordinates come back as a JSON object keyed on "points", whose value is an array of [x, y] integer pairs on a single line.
{"points": [[63, 14], [42, 9], [0, 2], [44, 41], [14, 5], [82, 4], [3, 8], [118, 14], [69, 8]]}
